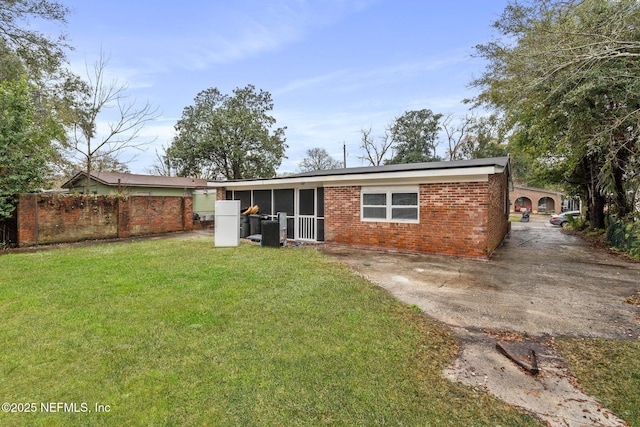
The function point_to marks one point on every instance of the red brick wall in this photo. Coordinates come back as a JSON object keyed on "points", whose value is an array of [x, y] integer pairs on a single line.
{"points": [[124, 220], [457, 219], [187, 213], [498, 225], [154, 214], [45, 219], [26, 214]]}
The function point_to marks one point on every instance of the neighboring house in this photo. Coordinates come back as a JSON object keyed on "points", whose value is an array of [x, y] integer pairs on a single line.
{"points": [[458, 208], [133, 184], [537, 200], [102, 183]]}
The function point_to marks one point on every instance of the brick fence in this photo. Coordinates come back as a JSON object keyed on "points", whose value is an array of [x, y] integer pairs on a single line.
{"points": [[47, 219]]}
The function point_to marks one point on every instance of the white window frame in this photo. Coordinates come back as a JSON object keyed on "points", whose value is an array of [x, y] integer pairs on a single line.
{"points": [[389, 191]]}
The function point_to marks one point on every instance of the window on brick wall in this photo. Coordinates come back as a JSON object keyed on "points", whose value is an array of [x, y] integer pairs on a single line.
{"points": [[390, 204]]}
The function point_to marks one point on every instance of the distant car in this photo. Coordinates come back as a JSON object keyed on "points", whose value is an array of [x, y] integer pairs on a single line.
{"points": [[561, 219]]}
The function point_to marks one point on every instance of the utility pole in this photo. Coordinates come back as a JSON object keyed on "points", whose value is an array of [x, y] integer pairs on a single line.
{"points": [[344, 151]]}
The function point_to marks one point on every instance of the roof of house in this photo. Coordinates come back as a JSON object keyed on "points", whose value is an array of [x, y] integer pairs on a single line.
{"points": [[403, 167], [405, 171], [136, 180]]}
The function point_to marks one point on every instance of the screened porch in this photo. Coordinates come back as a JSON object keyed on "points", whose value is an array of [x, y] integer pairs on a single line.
{"points": [[304, 208]]}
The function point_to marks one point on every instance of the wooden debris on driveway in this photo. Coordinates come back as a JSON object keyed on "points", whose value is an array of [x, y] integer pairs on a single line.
{"points": [[531, 366]]}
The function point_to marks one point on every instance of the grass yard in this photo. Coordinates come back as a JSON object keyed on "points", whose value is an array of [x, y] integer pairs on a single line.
{"points": [[177, 333], [609, 371]]}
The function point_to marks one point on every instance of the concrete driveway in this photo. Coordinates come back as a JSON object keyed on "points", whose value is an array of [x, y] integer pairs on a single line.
{"points": [[540, 284]]}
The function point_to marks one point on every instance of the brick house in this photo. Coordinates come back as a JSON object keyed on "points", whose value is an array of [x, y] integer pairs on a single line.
{"points": [[538, 200], [457, 208]]}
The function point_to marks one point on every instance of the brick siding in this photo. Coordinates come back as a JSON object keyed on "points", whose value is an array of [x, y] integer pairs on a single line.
{"points": [[466, 219], [458, 219], [221, 194], [46, 219], [498, 225]]}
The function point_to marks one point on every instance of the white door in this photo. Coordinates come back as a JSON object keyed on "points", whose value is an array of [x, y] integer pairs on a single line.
{"points": [[306, 215]]}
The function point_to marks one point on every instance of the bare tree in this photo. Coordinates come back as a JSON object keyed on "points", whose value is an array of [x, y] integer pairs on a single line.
{"points": [[163, 165], [121, 132], [458, 136], [375, 153]]}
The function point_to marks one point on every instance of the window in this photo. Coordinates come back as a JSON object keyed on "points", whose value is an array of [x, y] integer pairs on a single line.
{"points": [[392, 204]]}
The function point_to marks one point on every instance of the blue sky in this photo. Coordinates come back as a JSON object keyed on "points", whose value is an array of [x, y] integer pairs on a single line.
{"points": [[333, 67]]}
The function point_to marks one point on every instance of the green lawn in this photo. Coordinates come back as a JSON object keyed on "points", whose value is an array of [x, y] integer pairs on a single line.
{"points": [[177, 332], [608, 370], [515, 217]]}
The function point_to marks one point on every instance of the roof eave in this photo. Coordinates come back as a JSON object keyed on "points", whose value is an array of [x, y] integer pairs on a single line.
{"points": [[81, 174], [416, 176]]}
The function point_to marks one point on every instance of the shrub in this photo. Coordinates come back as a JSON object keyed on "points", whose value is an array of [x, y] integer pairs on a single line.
{"points": [[577, 222], [624, 236]]}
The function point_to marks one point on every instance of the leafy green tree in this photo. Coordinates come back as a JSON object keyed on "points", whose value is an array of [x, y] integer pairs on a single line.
{"points": [[25, 147], [40, 58], [228, 136], [415, 137], [485, 139], [318, 159], [565, 78], [39, 52], [11, 67]]}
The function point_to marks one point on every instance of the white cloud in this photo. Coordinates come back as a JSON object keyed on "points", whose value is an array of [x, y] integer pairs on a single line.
{"points": [[300, 84], [233, 32], [352, 80]]}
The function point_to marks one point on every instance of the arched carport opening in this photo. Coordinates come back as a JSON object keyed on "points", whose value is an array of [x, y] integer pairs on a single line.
{"points": [[546, 204], [522, 203]]}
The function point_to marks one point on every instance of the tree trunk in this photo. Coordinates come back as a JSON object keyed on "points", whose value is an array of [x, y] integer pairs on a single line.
{"points": [[620, 196], [620, 154], [595, 200], [87, 184], [597, 208]]}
